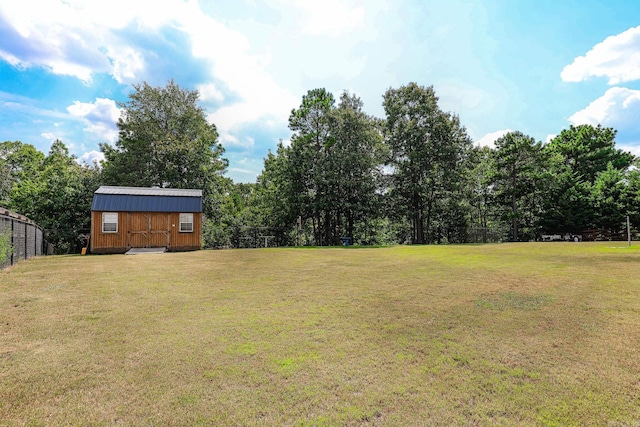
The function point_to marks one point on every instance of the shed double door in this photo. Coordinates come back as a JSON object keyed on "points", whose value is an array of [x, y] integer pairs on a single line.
{"points": [[149, 229]]}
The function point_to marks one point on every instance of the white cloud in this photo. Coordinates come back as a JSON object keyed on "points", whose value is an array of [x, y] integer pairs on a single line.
{"points": [[633, 149], [82, 37], [55, 35], [126, 62], [100, 117], [229, 140], [242, 171], [550, 138], [241, 66], [286, 142], [618, 107], [333, 18], [244, 74], [489, 139], [616, 58], [454, 94], [209, 92], [91, 157]]}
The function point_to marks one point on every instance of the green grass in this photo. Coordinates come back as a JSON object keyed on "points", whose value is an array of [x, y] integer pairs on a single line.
{"points": [[510, 334]]}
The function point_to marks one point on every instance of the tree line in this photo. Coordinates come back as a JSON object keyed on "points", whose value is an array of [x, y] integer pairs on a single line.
{"points": [[414, 176]]}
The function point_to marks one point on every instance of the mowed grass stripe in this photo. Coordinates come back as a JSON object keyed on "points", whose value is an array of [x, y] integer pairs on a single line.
{"points": [[511, 334]]}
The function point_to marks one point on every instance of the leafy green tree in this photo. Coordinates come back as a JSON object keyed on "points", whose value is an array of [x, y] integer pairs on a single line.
{"points": [[631, 195], [587, 150], [608, 199], [276, 199], [480, 196], [354, 164], [519, 180], [5, 181], [308, 158], [327, 179], [568, 204], [428, 150], [57, 196], [18, 161], [165, 141], [238, 215], [577, 156]]}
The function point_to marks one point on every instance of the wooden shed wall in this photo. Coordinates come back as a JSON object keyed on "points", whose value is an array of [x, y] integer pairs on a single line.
{"points": [[145, 229], [186, 241], [108, 242]]}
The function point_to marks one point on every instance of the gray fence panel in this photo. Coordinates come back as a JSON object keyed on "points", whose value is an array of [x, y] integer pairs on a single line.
{"points": [[30, 241], [5, 227], [39, 243], [18, 241], [25, 237]]}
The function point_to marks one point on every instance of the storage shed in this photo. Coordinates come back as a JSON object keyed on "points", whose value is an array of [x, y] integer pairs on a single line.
{"points": [[135, 217]]}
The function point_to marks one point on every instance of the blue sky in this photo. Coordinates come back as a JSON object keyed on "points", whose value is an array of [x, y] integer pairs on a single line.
{"points": [[501, 65]]}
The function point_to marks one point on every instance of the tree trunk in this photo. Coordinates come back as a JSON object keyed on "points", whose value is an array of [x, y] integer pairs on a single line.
{"points": [[327, 228], [315, 230], [418, 224], [429, 209]]}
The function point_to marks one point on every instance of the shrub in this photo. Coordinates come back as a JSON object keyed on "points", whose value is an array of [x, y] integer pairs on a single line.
{"points": [[6, 248]]}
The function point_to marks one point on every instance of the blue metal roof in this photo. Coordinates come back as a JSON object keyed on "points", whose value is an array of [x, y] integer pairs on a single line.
{"points": [[146, 203]]}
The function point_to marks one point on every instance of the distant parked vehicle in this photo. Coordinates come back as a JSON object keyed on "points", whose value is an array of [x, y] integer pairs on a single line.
{"points": [[567, 237]]}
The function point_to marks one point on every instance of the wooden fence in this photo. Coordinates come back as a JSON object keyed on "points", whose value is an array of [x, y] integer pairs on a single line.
{"points": [[23, 237]]}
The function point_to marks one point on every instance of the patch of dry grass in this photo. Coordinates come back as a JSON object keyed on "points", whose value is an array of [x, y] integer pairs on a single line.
{"points": [[513, 334]]}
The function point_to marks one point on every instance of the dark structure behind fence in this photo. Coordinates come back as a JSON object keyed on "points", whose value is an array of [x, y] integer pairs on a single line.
{"points": [[25, 237]]}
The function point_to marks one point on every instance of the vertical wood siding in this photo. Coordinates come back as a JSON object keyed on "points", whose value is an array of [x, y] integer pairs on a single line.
{"points": [[137, 228], [185, 241], [108, 242], [160, 230], [145, 229]]}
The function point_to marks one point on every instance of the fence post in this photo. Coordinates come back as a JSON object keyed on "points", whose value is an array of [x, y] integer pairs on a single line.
{"points": [[13, 242]]}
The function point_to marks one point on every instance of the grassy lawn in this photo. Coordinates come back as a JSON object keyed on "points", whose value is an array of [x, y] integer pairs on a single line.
{"points": [[510, 334]]}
